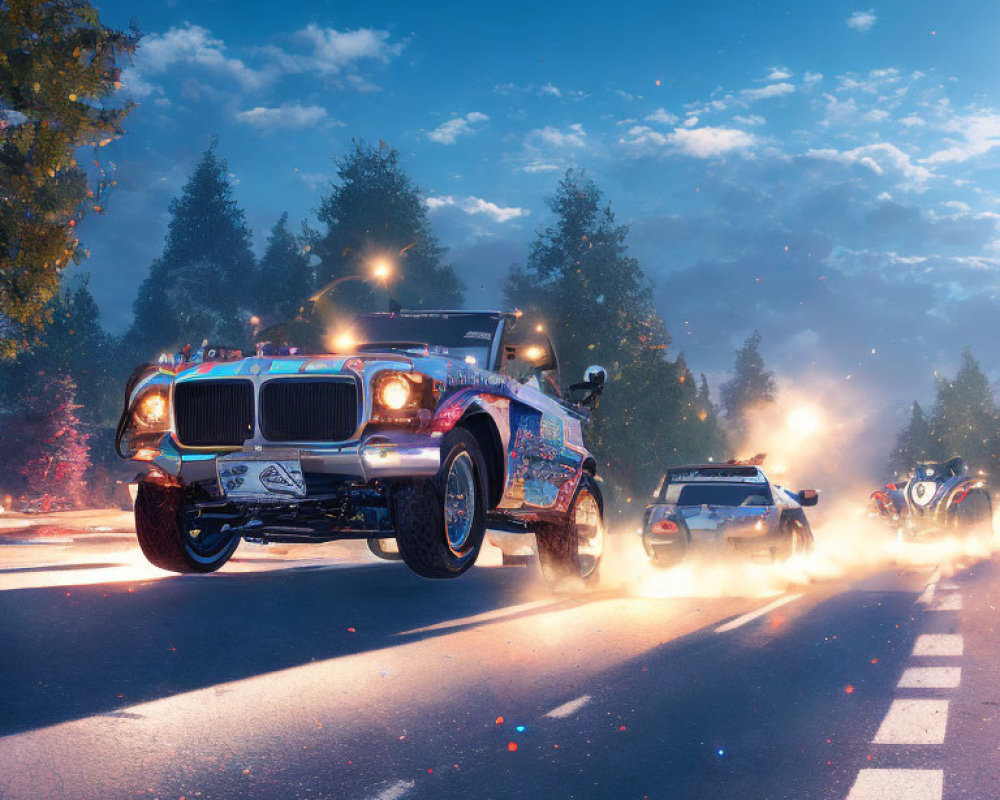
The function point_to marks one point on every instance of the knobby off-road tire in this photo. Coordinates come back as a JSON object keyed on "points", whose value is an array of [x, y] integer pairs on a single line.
{"points": [[570, 551], [420, 508], [166, 539]]}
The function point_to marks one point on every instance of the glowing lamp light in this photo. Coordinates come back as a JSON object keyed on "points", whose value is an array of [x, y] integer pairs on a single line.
{"points": [[152, 409], [471, 360], [255, 320], [539, 328], [803, 421], [381, 269], [533, 353], [394, 392], [344, 342]]}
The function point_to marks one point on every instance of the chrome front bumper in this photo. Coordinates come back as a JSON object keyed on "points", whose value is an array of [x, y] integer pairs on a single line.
{"points": [[376, 457]]}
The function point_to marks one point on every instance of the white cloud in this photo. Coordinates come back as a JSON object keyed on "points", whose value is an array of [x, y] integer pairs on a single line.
{"points": [[329, 52], [663, 116], [705, 142], [573, 136], [708, 141], [448, 132], [880, 158], [549, 89], [334, 51], [981, 132], [862, 21], [811, 78], [766, 92], [779, 74], [877, 80], [752, 119], [287, 115], [188, 44], [539, 166], [912, 121], [476, 205]]}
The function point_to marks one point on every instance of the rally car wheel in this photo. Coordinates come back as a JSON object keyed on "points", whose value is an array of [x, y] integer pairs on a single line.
{"points": [[570, 551], [173, 540], [797, 536], [440, 522]]}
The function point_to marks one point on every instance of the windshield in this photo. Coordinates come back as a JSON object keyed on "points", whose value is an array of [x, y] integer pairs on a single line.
{"points": [[717, 494], [464, 336]]}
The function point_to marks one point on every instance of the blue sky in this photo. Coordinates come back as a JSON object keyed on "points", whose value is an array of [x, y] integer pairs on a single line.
{"points": [[825, 172]]}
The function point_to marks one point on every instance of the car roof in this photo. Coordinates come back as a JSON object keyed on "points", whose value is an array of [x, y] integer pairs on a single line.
{"points": [[715, 473]]}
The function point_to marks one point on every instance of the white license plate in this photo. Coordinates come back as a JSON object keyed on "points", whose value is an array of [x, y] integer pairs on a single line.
{"points": [[275, 475]]}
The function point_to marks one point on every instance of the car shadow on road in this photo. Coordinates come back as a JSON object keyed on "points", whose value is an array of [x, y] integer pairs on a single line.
{"points": [[75, 651]]}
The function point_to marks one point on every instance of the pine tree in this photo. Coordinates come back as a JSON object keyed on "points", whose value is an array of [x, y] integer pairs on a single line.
{"points": [[750, 386], [915, 444], [284, 277], [375, 211], [200, 287], [48, 448], [59, 70], [598, 308], [76, 345], [965, 416]]}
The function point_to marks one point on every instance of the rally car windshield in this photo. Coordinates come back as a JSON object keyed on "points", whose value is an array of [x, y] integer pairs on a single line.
{"points": [[716, 494], [460, 335]]}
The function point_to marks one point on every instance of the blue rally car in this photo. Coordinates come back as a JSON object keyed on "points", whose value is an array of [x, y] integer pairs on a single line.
{"points": [[414, 430], [718, 509]]}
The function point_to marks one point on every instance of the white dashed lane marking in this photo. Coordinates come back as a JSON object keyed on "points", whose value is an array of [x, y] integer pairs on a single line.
{"points": [[568, 709], [931, 678], [914, 721], [947, 602], [938, 644], [752, 615], [898, 784]]}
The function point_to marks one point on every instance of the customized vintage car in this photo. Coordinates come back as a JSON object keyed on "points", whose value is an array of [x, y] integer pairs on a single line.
{"points": [[417, 431], [719, 509], [936, 497]]}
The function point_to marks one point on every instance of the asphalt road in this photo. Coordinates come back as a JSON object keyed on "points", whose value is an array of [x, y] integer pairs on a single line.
{"points": [[319, 674]]}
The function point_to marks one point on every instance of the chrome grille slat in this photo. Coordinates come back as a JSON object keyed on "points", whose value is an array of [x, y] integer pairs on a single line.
{"points": [[310, 410], [214, 413]]}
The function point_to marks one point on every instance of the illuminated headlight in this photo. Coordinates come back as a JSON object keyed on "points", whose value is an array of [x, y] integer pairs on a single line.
{"points": [[534, 353], [394, 392], [151, 410]]}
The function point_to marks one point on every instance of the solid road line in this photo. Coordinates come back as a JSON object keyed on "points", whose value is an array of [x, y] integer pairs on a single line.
{"points": [[395, 791], [898, 784], [568, 709], [760, 612]]}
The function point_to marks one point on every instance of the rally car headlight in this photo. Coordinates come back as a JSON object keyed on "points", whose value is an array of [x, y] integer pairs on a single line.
{"points": [[151, 410], [394, 392]]}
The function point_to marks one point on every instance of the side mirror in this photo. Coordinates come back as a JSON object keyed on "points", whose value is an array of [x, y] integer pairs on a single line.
{"points": [[808, 497], [593, 384], [595, 375]]}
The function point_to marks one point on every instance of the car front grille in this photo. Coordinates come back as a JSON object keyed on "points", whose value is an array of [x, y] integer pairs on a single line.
{"points": [[214, 413], [309, 410]]}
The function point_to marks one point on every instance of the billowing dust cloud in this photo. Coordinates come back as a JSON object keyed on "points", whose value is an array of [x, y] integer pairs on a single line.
{"points": [[818, 434]]}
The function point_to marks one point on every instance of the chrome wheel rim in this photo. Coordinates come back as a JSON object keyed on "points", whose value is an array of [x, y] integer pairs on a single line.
{"points": [[459, 502], [590, 533]]}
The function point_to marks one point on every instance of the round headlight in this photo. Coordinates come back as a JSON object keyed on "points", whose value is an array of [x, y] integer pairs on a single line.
{"points": [[152, 409], [394, 392]]}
